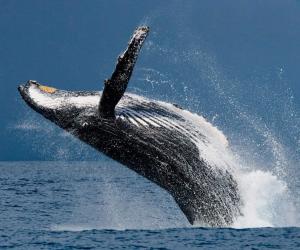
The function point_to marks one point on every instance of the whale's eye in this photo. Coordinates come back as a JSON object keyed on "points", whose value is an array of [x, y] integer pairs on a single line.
{"points": [[47, 89]]}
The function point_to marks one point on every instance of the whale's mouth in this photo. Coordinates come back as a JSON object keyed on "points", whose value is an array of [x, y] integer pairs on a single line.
{"points": [[33, 92], [23, 88], [45, 98], [24, 91]]}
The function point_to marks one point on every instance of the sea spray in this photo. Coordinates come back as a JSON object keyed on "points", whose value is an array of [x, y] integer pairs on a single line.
{"points": [[266, 199]]}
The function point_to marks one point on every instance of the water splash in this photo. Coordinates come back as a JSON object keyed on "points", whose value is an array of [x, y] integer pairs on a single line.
{"points": [[264, 160], [267, 202]]}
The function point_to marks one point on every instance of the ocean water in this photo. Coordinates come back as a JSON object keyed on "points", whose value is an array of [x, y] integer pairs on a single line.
{"points": [[92, 205]]}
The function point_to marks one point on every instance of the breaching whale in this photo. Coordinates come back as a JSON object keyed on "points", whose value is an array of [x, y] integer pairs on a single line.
{"points": [[160, 141]]}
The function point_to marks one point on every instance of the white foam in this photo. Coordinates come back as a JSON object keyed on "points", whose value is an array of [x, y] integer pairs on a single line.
{"points": [[72, 228], [266, 201]]}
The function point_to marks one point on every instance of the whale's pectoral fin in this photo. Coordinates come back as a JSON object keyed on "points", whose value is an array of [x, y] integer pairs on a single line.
{"points": [[115, 87]]}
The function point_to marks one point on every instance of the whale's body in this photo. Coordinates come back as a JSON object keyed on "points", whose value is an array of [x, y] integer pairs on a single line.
{"points": [[165, 144]]}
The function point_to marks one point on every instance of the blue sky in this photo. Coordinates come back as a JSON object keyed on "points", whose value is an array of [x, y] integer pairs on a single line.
{"points": [[222, 59]]}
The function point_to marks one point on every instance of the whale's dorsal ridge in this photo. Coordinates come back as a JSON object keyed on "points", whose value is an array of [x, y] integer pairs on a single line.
{"points": [[115, 87]]}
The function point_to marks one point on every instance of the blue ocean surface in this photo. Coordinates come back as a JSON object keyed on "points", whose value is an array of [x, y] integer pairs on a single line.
{"points": [[93, 205]]}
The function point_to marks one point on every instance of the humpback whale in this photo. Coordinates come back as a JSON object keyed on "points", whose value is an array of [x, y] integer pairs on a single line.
{"points": [[160, 141]]}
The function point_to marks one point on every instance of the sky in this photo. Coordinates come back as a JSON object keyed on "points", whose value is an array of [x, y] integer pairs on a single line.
{"points": [[234, 62]]}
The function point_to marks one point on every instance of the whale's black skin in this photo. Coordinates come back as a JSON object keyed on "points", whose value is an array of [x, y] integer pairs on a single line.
{"points": [[155, 139]]}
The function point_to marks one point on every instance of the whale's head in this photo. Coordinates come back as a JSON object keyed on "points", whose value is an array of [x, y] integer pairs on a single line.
{"points": [[67, 109]]}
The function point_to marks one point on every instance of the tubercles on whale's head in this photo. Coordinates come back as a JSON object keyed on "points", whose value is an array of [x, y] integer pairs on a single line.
{"points": [[43, 97], [38, 96], [65, 108]]}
